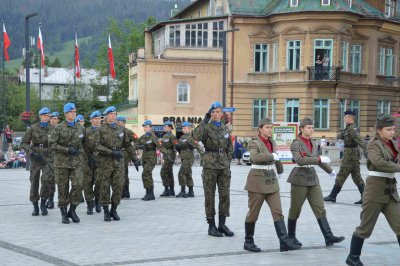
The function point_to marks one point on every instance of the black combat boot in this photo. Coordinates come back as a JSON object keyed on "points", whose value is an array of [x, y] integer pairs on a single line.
{"points": [[72, 214], [50, 202], [361, 189], [146, 195], [398, 239], [43, 208], [166, 192], [285, 243], [292, 232], [107, 217], [171, 190], [249, 240], [89, 208], [332, 197], [212, 229], [113, 213], [151, 194], [127, 193], [35, 209], [223, 228], [97, 205], [190, 193], [330, 239], [64, 215], [123, 193], [356, 245], [182, 194]]}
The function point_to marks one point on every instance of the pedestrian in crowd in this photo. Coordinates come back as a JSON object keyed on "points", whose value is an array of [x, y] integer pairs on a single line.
{"points": [[367, 139], [216, 138], [262, 185], [318, 67], [351, 158], [168, 142], [66, 141], [9, 134], [35, 142], [380, 195], [238, 150], [54, 120], [305, 183]]}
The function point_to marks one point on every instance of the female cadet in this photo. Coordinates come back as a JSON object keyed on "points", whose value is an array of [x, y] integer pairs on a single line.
{"points": [[380, 194], [262, 185]]}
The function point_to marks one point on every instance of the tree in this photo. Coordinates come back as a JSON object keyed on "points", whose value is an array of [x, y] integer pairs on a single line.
{"points": [[56, 63]]}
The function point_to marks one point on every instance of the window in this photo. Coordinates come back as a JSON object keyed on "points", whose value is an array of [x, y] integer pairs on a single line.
{"points": [[345, 56], [355, 106], [134, 89], [383, 107], [275, 56], [292, 110], [183, 92], [326, 2], [381, 69], [293, 55], [273, 110], [355, 59], [196, 35], [389, 8], [389, 62], [386, 62], [175, 36], [343, 108], [218, 28], [321, 113], [259, 110], [261, 58], [294, 3]]}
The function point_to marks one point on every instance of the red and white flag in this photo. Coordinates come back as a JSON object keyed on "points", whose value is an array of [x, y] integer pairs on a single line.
{"points": [[41, 47], [111, 58], [78, 67], [6, 43]]}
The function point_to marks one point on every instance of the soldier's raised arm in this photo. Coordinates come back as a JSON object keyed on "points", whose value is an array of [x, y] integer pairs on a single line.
{"points": [[198, 132]]}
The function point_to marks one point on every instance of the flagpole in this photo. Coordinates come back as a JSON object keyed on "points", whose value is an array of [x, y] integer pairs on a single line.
{"points": [[75, 66], [4, 120], [108, 68], [40, 72]]}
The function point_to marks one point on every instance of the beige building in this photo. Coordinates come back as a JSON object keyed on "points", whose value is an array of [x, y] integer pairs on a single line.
{"points": [[289, 59]]}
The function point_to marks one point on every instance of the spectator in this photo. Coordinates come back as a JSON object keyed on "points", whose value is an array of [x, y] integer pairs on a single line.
{"points": [[9, 134], [238, 150]]}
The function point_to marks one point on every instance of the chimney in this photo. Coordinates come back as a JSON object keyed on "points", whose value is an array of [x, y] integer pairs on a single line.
{"points": [[174, 11]]}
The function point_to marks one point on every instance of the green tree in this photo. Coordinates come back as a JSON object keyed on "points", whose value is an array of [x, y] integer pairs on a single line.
{"points": [[56, 62]]}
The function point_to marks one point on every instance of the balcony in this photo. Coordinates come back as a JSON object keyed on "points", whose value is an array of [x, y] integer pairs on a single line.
{"points": [[323, 73]]}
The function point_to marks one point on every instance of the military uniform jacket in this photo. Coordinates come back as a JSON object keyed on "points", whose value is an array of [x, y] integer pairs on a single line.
{"points": [[148, 143], [217, 143], [61, 139], [186, 146], [305, 176], [262, 181], [36, 139], [380, 159], [352, 144], [168, 142], [132, 137], [89, 142]]}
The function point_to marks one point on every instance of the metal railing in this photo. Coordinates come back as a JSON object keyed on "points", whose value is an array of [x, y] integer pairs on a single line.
{"points": [[323, 73]]}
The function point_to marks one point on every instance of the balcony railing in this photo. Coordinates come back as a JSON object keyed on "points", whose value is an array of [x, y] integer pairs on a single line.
{"points": [[323, 73]]}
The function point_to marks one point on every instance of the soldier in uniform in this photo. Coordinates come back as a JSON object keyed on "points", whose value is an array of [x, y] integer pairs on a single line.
{"points": [[148, 143], [351, 158], [305, 183], [168, 142], [110, 141], [216, 138], [262, 185], [54, 120], [35, 143], [380, 195], [66, 141], [185, 148], [80, 121]]}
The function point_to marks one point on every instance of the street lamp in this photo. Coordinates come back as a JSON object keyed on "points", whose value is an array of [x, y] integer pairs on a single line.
{"points": [[27, 61], [224, 64]]}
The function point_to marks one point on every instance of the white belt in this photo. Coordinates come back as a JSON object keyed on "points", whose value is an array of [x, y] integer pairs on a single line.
{"points": [[306, 166], [264, 167], [381, 174]]}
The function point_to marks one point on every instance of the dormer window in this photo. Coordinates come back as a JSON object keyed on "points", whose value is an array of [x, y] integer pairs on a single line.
{"points": [[389, 8], [325, 2], [349, 2], [294, 3]]}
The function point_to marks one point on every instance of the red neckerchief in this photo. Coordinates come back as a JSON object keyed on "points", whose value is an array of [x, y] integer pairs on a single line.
{"points": [[307, 142], [392, 148], [267, 143]]}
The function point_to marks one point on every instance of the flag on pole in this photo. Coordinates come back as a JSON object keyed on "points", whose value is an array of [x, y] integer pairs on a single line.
{"points": [[41, 47], [111, 58], [6, 43], [78, 67]]}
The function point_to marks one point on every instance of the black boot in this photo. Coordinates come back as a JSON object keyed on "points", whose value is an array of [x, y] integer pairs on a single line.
{"points": [[285, 243], [182, 194], [249, 240], [171, 190], [64, 215], [50, 202], [127, 194], [97, 205], [113, 213], [332, 197], [398, 239], [353, 258], [72, 214], [330, 239], [43, 208], [123, 195], [223, 228], [107, 217], [151, 194], [212, 230], [89, 208], [166, 192], [361, 189], [190, 193], [292, 232], [146, 195], [35, 209]]}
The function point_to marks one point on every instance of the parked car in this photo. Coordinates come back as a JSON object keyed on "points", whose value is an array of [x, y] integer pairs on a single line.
{"points": [[246, 158], [17, 142]]}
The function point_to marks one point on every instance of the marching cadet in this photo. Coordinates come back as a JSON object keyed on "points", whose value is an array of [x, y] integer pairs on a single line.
{"points": [[54, 120], [168, 142], [80, 121], [185, 147], [35, 143], [216, 167], [305, 183], [380, 195], [66, 141], [110, 140], [351, 158], [148, 143], [262, 185]]}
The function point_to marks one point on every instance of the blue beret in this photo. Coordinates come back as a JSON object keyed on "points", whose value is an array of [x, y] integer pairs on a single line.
{"points": [[350, 112], [44, 110], [79, 118], [95, 114], [121, 118], [53, 114], [215, 105], [68, 107], [147, 123], [186, 124], [168, 123], [109, 109]]}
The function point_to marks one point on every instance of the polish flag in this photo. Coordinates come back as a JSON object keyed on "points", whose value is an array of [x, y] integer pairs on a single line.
{"points": [[77, 65], [6, 43], [111, 58], [41, 47]]}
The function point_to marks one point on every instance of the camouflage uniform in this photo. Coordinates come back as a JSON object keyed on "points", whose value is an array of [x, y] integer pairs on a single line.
{"points": [[168, 142], [132, 139], [91, 173]]}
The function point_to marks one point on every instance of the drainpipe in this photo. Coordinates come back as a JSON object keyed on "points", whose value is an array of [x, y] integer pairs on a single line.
{"points": [[232, 65]]}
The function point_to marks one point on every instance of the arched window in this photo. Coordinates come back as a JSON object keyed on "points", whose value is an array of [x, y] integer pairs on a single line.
{"points": [[183, 92]]}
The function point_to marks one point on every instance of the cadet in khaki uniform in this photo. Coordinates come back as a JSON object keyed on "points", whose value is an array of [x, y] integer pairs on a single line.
{"points": [[262, 185], [168, 142], [216, 138], [54, 120], [305, 183], [66, 141], [380, 195], [35, 143], [351, 158]]}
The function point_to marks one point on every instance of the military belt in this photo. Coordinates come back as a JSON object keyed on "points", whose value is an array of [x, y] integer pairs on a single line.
{"points": [[187, 149], [351, 146], [306, 166], [263, 167], [389, 191], [41, 145], [116, 149], [150, 149], [220, 151], [381, 174]]}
